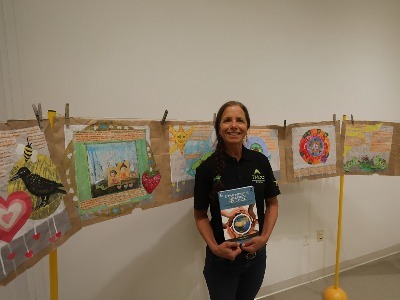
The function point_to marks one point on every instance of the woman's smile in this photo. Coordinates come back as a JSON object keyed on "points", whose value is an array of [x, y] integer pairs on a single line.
{"points": [[233, 126]]}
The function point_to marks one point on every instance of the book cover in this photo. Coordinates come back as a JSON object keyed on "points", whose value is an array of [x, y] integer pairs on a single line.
{"points": [[239, 213]]}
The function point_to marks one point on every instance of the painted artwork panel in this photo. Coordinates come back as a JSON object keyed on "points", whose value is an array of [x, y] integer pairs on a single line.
{"points": [[369, 147], [112, 168], [314, 150], [189, 145], [269, 140], [35, 217]]}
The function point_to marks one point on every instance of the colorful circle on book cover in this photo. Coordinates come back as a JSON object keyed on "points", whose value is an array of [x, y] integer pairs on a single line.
{"points": [[241, 223], [314, 146]]}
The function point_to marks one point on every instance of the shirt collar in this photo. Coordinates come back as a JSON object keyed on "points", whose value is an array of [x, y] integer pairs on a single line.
{"points": [[246, 154]]}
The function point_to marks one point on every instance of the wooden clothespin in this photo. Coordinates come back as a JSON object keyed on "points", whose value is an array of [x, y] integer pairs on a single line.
{"points": [[164, 117], [214, 118], [334, 118], [352, 120], [67, 115], [284, 124], [35, 111], [38, 114]]}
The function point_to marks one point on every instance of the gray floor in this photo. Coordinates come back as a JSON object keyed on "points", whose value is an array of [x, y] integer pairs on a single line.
{"points": [[377, 280]]}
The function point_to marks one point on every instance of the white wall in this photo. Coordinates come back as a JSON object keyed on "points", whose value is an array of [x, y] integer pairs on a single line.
{"points": [[3, 60], [287, 60]]}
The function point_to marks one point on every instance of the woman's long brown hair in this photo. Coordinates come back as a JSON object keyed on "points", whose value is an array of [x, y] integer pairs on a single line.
{"points": [[220, 147]]}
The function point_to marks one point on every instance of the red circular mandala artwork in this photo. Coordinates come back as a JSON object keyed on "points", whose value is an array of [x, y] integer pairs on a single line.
{"points": [[314, 146]]}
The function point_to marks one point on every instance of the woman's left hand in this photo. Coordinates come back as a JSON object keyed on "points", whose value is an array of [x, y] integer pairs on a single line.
{"points": [[254, 244]]}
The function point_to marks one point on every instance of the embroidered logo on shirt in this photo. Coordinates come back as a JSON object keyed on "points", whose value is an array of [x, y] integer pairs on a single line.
{"points": [[257, 177], [218, 177]]}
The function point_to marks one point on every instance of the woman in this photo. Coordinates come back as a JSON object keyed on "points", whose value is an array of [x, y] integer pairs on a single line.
{"points": [[234, 271]]}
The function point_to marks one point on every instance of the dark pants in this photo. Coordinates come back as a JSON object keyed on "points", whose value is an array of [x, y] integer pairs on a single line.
{"points": [[240, 279]]}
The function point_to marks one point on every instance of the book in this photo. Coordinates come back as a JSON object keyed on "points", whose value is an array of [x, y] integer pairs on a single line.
{"points": [[239, 214]]}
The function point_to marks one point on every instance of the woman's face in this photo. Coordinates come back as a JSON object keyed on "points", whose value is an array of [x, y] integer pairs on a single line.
{"points": [[233, 125]]}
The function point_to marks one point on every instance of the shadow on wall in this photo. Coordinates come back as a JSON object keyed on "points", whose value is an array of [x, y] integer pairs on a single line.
{"points": [[170, 270], [307, 206], [304, 208]]}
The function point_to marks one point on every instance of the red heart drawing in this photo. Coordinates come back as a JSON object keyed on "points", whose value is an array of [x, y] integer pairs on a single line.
{"points": [[11, 255], [7, 217], [29, 254], [13, 214], [58, 234], [150, 180], [36, 236], [52, 239]]}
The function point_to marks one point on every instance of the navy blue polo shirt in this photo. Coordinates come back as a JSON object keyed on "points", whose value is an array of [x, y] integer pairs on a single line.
{"points": [[253, 169]]}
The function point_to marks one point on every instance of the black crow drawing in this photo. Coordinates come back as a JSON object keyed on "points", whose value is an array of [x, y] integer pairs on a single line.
{"points": [[39, 186]]}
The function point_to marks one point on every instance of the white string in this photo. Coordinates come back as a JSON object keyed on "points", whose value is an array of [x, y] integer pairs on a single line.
{"points": [[54, 222], [13, 260], [2, 266], [48, 225], [26, 246]]}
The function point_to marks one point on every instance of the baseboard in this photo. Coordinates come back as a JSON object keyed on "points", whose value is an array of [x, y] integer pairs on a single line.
{"points": [[306, 278]]}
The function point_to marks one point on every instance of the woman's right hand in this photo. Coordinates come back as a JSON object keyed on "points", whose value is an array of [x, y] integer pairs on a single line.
{"points": [[228, 250]]}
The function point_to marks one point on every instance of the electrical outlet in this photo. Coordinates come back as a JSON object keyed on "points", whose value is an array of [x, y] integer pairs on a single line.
{"points": [[320, 235]]}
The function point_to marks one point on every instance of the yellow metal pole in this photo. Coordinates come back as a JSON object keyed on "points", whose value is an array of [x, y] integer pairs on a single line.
{"points": [[53, 275], [334, 292], [51, 115], [53, 267]]}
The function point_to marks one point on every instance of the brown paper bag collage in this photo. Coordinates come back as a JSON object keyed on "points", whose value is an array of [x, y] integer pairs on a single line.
{"points": [[70, 175]]}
